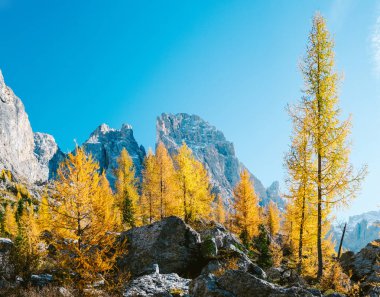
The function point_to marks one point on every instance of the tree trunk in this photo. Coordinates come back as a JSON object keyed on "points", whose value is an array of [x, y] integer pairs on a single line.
{"points": [[300, 245], [319, 232], [341, 240]]}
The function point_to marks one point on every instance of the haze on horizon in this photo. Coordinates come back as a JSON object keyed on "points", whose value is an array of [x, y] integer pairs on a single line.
{"points": [[235, 64]]}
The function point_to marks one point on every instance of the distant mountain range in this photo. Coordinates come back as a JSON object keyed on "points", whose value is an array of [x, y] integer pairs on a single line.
{"points": [[34, 157], [361, 229]]}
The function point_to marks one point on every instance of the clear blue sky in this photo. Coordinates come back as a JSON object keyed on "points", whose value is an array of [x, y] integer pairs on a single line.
{"points": [[77, 64]]}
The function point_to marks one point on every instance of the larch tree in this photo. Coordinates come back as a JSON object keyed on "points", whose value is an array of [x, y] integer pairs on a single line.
{"points": [[219, 210], [10, 224], [44, 214], [246, 216], [302, 193], [28, 254], [335, 179], [167, 186], [194, 186], [150, 183], [273, 217], [84, 218], [126, 190]]}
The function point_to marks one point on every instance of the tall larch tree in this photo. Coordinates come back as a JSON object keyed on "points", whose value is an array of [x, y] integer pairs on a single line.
{"points": [[273, 217], [167, 186], [194, 186], [335, 179], [84, 219], [44, 214], [126, 190], [246, 216], [302, 193], [150, 184]]}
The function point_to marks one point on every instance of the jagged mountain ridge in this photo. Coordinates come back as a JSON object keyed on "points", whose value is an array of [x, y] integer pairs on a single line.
{"points": [[361, 229], [34, 157], [105, 145], [210, 146]]}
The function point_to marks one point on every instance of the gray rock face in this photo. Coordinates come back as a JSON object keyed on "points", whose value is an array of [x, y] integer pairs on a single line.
{"points": [[16, 138], [6, 267], [105, 145], [170, 243], [48, 154], [155, 284], [211, 148], [31, 157]]}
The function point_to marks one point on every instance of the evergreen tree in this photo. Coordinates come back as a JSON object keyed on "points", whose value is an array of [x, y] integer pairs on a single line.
{"points": [[261, 245]]}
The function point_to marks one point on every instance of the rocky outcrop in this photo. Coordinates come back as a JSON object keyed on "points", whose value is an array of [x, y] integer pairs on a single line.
{"points": [[236, 283], [105, 145], [209, 146], [364, 266], [156, 284], [170, 243], [48, 154]]}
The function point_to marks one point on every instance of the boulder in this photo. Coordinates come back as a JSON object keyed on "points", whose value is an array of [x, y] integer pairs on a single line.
{"points": [[225, 250], [155, 284], [170, 243], [238, 283], [6, 267], [364, 267]]}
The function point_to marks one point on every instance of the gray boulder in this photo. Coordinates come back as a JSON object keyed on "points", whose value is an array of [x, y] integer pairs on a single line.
{"points": [[364, 266], [6, 267], [170, 243], [155, 284], [241, 284]]}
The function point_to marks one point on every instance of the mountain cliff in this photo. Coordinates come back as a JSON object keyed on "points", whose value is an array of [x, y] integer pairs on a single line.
{"points": [[210, 147], [25, 154], [105, 145]]}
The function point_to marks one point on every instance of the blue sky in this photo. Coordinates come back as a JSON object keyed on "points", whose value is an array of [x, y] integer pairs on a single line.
{"points": [[77, 64]]}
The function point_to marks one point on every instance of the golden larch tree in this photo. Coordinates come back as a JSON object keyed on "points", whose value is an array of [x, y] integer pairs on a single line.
{"points": [[334, 178], [83, 219], [149, 206], [273, 217], [167, 186], [219, 210], [246, 216], [194, 186], [126, 190], [10, 224]]}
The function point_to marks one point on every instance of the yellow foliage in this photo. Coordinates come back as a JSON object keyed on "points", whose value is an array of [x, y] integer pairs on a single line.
{"points": [[83, 220], [273, 218], [194, 186], [126, 190], [10, 224], [246, 217], [219, 211], [44, 215]]}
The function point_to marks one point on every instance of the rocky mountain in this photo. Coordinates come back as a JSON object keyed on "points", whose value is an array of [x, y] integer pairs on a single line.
{"points": [[361, 229], [105, 144], [25, 154], [210, 146]]}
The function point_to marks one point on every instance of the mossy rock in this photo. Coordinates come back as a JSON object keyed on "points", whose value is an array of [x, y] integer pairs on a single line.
{"points": [[209, 248]]}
